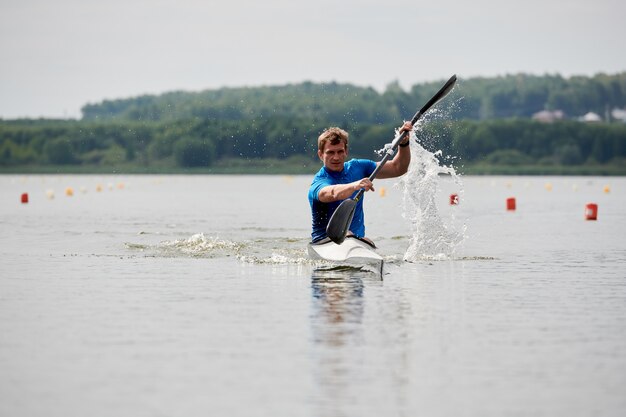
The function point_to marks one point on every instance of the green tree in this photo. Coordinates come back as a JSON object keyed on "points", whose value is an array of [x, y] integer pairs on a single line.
{"points": [[59, 151], [569, 154], [161, 147], [507, 157], [191, 152], [12, 154]]}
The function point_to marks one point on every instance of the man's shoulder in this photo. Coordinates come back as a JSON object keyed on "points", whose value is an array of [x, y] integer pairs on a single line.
{"points": [[320, 174], [320, 179], [360, 167], [360, 162]]}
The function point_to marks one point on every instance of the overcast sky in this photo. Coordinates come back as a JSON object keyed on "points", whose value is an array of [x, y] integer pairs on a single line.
{"points": [[56, 56]]}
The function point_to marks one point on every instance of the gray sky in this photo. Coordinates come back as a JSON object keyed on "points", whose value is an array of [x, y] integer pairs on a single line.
{"points": [[56, 56]]}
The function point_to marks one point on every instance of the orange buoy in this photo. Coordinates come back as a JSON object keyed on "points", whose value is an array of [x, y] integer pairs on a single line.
{"points": [[510, 203], [454, 199], [24, 198], [591, 211]]}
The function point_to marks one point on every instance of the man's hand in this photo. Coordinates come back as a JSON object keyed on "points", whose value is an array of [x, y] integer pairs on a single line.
{"points": [[406, 127], [342, 191], [365, 184]]}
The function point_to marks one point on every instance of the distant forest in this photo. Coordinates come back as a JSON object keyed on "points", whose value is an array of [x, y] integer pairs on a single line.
{"points": [[485, 125]]}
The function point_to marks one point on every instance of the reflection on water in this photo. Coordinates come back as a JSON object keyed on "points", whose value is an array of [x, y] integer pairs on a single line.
{"points": [[345, 361], [336, 319], [337, 305]]}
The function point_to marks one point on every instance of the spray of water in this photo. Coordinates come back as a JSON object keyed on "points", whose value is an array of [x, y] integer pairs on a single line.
{"points": [[433, 237], [202, 246]]}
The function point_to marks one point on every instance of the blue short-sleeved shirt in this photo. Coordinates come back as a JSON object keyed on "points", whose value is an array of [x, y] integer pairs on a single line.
{"points": [[353, 170]]}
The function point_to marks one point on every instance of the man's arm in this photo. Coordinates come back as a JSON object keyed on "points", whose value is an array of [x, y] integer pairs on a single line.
{"points": [[338, 192], [400, 163]]}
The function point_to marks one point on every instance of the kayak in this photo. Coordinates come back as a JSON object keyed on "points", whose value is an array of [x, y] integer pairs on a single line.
{"points": [[353, 251]]}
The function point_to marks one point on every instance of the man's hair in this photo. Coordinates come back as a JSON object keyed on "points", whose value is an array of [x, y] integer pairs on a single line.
{"points": [[332, 135]]}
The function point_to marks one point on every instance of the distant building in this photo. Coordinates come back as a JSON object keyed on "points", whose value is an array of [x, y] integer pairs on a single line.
{"points": [[590, 117], [548, 116], [619, 115]]}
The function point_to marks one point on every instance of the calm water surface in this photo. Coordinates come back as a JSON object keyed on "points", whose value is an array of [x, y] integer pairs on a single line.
{"points": [[192, 296]]}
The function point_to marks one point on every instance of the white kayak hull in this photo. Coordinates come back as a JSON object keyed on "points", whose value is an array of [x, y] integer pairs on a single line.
{"points": [[352, 252]]}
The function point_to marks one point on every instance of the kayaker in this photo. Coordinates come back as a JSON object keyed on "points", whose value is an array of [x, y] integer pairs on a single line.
{"points": [[338, 180]]}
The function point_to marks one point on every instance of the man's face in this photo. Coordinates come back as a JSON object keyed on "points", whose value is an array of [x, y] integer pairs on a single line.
{"points": [[334, 156]]}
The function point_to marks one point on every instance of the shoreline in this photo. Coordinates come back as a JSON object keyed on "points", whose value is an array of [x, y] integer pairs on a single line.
{"points": [[274, 169]]}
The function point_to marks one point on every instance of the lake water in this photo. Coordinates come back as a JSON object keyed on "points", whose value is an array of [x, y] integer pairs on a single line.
{"points": [[192, 296]]}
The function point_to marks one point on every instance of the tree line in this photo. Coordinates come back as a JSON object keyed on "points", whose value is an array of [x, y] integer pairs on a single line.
{"points": [[195, 144], [216, 128], [519, 95]]}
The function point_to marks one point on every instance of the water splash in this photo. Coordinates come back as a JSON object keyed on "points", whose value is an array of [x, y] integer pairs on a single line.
{"points": [[199, 245], [274, 251], [432, 237], [276, 259]]}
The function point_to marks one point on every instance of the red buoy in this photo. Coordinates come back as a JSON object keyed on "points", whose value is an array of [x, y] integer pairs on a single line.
{"points": [[454, 199], [591, 211], [510, 204], [24, 198]]}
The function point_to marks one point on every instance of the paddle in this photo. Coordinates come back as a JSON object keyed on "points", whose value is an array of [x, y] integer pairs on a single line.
{"points": [[339, 222]]}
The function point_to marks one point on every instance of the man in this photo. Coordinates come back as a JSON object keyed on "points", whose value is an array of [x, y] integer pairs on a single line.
{"points": [[338, 180]]}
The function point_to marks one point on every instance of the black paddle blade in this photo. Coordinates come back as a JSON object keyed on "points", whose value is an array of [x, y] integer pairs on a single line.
{"points": [[339, 222]]}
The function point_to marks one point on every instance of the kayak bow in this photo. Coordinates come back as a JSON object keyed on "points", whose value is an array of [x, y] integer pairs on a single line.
{"points": [[353, 251]]}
